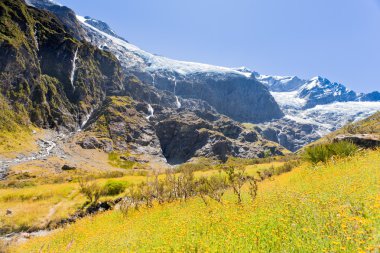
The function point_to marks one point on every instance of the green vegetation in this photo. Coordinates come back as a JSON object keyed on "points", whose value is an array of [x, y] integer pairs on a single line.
{"points": [[333, 209], [324, 152], [113, 188], [121, 160]]}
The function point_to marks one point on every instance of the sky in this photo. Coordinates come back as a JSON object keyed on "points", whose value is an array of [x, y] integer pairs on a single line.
{"points": [[336, 39]]}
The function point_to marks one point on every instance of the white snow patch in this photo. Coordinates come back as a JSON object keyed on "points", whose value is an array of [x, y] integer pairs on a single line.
{"points": [[287, 100], [156, 62], [328, 118]]}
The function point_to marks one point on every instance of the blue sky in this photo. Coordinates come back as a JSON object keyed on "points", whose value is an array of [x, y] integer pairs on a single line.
{"points": [[337, 39]]}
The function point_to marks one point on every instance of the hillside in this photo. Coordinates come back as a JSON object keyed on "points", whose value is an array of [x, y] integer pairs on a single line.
{"points": [[368, 126], [328, 208]]}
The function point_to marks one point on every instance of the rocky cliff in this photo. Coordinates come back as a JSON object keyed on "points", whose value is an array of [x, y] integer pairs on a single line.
{"points": [[47, 73], [60, 71]]}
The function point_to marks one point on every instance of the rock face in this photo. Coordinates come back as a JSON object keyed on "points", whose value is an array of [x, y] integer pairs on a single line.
{"points": [[48, 74], [175, 135], [362, 140], [231, 92], [288, 133], [185, 134]]}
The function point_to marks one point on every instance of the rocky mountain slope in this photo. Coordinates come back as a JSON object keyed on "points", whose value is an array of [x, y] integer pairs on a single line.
{"points": [[60, 71], [231, 92], [46, 73]]}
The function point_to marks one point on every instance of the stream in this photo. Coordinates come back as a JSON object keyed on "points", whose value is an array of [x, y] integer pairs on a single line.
{"points": [[47, 148]]}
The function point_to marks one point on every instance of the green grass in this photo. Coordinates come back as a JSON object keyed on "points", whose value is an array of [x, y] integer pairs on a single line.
{"points": [[324, 152], [332, 207], [115, 160]]}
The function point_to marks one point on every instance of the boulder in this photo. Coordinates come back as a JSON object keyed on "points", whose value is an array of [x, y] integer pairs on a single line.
{"points": [[68, 167], [361, 140]]}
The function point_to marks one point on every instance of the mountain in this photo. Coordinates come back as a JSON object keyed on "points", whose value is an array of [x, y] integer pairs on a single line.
{"points": [[313, 108], [61, 72], [231, 92], [288, 110]]}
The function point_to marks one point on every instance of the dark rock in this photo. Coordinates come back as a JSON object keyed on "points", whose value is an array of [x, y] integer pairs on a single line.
{"points": [[68, 167], [90, 142], [362, 140], [99, 207], [288, 133]]}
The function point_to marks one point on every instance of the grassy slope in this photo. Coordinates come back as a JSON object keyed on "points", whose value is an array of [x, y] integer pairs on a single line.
{"points": [[15, 135], [330, 208], [36, 206]]}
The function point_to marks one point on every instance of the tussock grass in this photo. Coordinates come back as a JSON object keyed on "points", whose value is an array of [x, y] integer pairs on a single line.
{"points": [[332, 209], [324, 152]]}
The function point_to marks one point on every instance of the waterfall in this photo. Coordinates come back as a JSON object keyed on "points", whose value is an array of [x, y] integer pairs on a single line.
{"points": [[177, 102], [86, 119], [153, 79], [151, 112], [278, 135], [36, 38], [72, 76], [175, 84]]}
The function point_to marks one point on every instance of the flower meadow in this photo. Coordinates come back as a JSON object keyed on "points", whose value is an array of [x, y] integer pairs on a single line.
{"points": [[332, 207]]}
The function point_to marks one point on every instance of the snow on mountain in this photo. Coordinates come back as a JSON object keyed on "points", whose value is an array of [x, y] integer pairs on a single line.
{"points": [[330, 117], [313, 108], [317, 105], [280, 83], [233, 92], [138, 58]]}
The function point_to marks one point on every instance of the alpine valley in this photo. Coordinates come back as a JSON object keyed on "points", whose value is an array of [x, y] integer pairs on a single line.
{"points": [[76, 96]]}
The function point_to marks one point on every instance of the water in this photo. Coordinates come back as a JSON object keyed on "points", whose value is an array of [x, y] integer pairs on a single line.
{"points": [[87, 118], [151, 112], [36, 38], [153, 80], [177, 102], [46, 147], [280, 133], [74, 68]]}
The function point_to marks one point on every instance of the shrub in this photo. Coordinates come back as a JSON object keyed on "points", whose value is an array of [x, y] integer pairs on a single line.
{"points": [[91, 190], [324, 152], [112, 188], [236, 178]]}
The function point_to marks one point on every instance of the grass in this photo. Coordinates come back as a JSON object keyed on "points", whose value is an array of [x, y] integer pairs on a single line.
{"points": [[333, 207], [116, 160], [32, 199], [20, 141], [31, 206], [324, 152]]}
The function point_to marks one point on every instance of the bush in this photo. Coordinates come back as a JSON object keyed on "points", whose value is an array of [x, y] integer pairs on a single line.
{"points": [[324, 152], [112, 188], [91, 190]]}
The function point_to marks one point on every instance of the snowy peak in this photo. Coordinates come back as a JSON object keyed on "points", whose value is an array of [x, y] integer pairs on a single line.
{"points": [[280, 83], [102, 26], [319, 90], [42, 3]]}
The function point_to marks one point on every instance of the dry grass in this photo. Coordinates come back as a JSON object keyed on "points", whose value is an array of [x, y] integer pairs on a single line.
{"points": [[14, 143], [330, 208]]}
